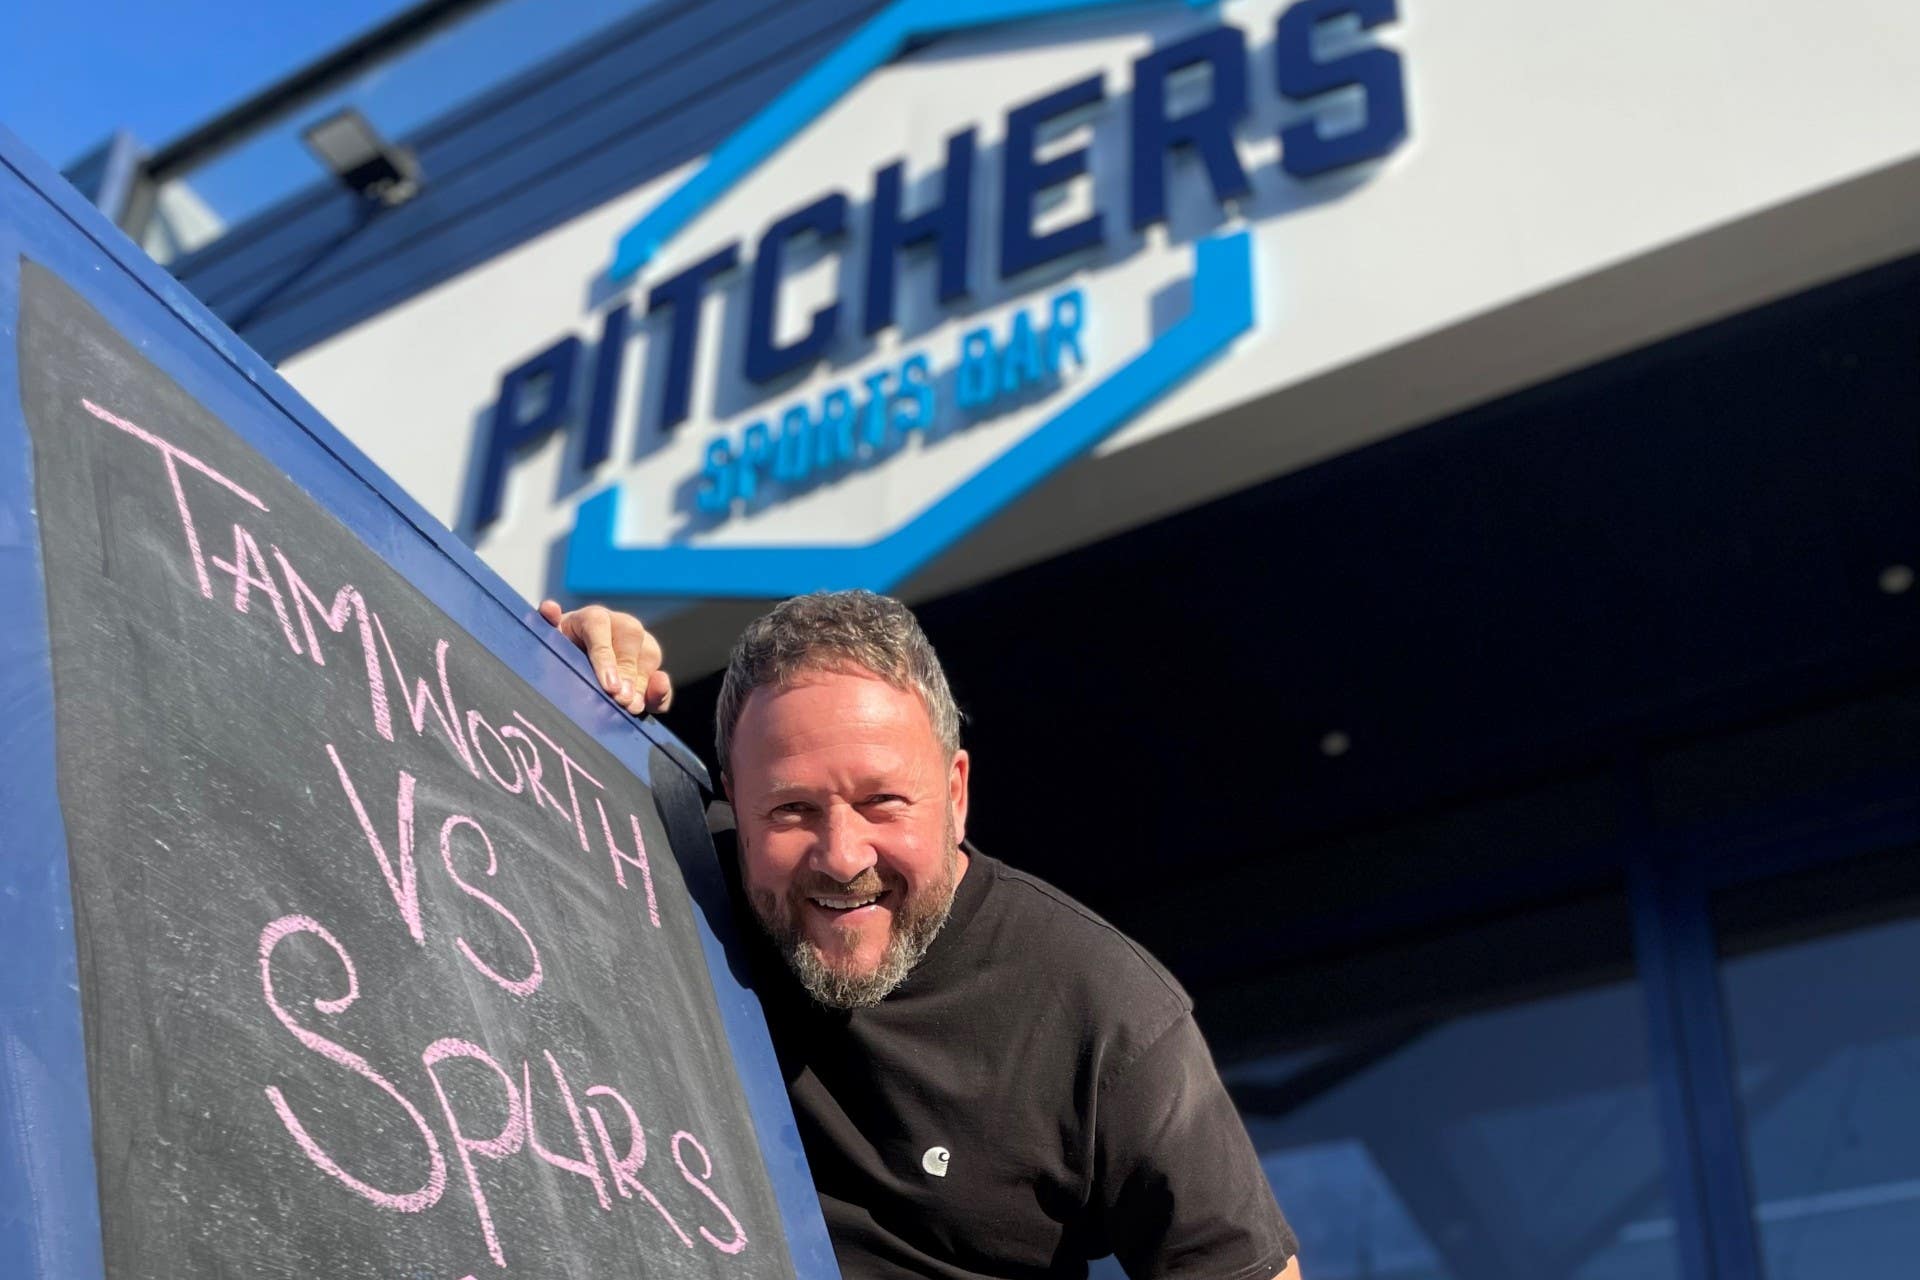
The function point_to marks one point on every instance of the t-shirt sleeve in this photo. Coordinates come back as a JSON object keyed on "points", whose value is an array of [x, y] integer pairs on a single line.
{"points": [[1178, 1189]]}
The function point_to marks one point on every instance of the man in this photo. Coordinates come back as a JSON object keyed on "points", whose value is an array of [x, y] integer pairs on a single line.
{"points": [[989, 1079]]}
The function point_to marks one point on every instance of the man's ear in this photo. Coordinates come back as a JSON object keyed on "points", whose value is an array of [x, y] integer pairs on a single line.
{"points": [[957, 774], [726, 786]]}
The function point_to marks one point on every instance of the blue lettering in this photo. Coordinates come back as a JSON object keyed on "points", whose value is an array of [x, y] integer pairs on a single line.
{"points": [[916, 393], [716, 495], [683, 294], [756, 447], [833, 440], [1064, 319], [598, 442], [859, 421], [1305, 152], [873, 430], [849, 431], [945, 224], [553, 372], [793, 455], [974, 380], [1025, 178], [766, 359], [1208, 130], [1022, 365]]}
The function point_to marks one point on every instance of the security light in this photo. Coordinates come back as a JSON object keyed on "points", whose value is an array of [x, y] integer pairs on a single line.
{"points": [[356, 154]]}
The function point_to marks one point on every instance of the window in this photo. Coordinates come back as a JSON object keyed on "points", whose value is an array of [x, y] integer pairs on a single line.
{"points": [[1486, 1115], [1821, 975], [1516, 1144]]}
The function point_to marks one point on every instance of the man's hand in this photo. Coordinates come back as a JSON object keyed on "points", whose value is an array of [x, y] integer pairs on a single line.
{"points": [[624, 654]]}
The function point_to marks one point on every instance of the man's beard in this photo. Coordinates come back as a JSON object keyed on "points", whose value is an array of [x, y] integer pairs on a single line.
{"points": [[918, 922]]}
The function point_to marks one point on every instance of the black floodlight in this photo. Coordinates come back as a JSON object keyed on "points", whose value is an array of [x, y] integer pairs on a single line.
{"points": [[353, 150]]}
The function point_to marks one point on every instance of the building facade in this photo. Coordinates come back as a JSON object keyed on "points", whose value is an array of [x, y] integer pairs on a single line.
{"points": [[1420, 503]]}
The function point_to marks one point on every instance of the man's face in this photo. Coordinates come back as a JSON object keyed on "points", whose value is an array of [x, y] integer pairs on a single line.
{"points": [[850, 818]]}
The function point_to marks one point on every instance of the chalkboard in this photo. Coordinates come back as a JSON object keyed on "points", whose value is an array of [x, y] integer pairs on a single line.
{"points": [[386, 965]]}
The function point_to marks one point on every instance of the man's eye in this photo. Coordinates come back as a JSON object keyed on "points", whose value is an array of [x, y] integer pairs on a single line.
{"points": [[886, 798], [792, 809]]}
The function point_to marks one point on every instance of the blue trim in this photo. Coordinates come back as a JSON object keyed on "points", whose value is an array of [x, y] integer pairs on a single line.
{"points": [[46, 216], [1221, 310], [868, 49], [49, 1203], [1692, 1070], [107, 174], [761, 1079], [124, 157]]}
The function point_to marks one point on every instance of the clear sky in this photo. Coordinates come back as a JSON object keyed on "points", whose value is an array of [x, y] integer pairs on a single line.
{"points": [[78, 69], [73, 71]]}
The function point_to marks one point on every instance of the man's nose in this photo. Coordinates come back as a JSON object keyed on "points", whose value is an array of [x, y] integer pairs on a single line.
{"points": [[843, 851]]}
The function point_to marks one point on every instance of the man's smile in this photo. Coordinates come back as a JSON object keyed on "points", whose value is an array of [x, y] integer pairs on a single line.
{"points": [[844, 903]]}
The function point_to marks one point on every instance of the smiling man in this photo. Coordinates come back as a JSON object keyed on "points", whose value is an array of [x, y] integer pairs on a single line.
{"points": [[850, 798], [989, 1079]]}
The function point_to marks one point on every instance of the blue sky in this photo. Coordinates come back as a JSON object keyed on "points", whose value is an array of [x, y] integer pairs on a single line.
{"points": [[78, 69]]}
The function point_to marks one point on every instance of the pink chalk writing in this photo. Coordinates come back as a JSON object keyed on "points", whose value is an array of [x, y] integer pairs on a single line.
{"points": [[699, 1183], [518, 986], [475, 723], [403, 1202], [514, 764], [499, 1147], [347, 602], [586, 1166], [530, 763], [518, 1129], [401, 880], [568, 767], [579, 1139], [422, 697], [626, 1169], [172, 455], [638, 858], [249, 570]]}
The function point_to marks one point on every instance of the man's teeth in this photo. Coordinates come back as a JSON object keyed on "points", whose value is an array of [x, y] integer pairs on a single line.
{"points": [[844, 904]]}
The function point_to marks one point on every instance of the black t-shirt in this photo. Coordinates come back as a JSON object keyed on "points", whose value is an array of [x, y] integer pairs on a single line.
{"points": [[1052, 1070]]}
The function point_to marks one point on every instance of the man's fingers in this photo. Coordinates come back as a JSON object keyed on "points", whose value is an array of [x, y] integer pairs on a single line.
{"points": [[624, 654], [592, 629], [659, 693], [635, 648], [638, 654]]}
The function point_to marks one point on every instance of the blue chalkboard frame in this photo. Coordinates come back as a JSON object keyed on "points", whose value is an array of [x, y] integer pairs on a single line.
{"points": [[49, 1206]]}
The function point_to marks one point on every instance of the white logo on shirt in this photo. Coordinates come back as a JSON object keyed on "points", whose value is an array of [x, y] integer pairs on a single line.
{"points": [[935, 1161]]}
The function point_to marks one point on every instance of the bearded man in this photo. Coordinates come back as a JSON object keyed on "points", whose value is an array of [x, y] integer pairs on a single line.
{"points": [[988, 1078]]}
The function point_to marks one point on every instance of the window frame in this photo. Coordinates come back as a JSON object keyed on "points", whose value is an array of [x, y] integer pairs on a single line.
{"points": [[1672, 878]]}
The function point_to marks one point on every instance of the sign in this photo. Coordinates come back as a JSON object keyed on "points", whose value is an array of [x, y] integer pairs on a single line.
{"points": [[998, 248], [397, 950]]}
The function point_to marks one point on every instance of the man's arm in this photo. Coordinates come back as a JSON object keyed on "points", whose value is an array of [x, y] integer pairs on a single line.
{"points": [[624, 654], [1177, 1185]]}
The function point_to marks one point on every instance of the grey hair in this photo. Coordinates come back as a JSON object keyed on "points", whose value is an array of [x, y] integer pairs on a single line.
{"points": [[835, 631]]}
